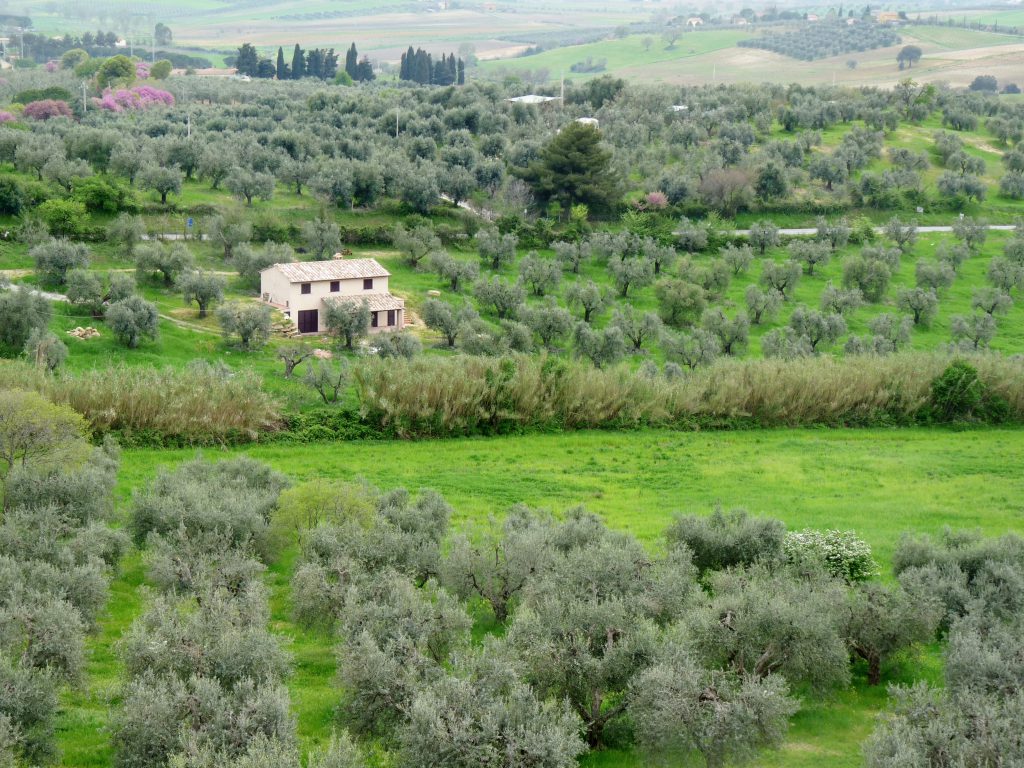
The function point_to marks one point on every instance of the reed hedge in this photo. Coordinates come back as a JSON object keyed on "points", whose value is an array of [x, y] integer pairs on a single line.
{"points": [[434, 396], [199, 404]]}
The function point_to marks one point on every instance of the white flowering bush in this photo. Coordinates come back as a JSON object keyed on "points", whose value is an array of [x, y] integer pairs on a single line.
{"points": [[842, 553]]}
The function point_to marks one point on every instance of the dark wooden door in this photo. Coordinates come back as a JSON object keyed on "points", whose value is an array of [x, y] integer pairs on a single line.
{"points": [[308, 321]]}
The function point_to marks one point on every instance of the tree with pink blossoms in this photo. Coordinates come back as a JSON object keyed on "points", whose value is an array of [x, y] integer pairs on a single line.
{"points": [[46, 109], [140, 97]]}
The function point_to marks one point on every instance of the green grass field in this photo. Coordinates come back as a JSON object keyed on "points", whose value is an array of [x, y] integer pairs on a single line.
{"points": [[876, 482], [950, 54]]}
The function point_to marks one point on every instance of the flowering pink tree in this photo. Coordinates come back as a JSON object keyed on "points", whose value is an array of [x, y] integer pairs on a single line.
{"points": [[142, 70], [47, 108], [656, 200], [6, 117], [133, 99], [52, 66]]}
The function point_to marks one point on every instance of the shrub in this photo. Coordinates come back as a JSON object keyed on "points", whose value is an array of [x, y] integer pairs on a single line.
{"points": [[841, 553]]}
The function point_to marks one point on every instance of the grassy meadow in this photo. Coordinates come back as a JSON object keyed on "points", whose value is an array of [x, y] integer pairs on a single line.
{"points": [[876, 482], [699, 56]]}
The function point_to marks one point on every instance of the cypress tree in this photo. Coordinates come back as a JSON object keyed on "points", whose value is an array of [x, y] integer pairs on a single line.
{"points": [[282, 69], [351, 61], [403, 68], [461, 80], [298, 63]]}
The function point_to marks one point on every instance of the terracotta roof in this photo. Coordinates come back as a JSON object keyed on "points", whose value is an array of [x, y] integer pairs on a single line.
{"points": [[378, 302], [336, 269]]}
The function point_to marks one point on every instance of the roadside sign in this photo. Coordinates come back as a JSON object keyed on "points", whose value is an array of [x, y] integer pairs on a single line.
{"points": [[190, 222]]}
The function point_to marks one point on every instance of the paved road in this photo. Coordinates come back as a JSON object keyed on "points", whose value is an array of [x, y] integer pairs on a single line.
{"points": [[796, 232], [172, 236]]}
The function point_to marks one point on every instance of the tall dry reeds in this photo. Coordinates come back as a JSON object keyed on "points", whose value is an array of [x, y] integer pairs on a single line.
{"points": [[199, 403], [465, 395]]}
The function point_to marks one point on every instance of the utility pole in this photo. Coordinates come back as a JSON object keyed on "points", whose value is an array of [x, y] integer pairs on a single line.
{"points": [[562, 90], [188, 129], [84, 107]]}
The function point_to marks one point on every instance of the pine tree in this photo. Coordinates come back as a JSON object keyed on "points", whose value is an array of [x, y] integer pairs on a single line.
{"points": [[247, 60], [315, 63], [282, 68], [364, 70], [298, 63], [330, 65]]}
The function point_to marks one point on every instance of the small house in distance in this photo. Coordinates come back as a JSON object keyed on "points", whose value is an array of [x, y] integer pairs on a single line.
{"points": [[302, 290]]}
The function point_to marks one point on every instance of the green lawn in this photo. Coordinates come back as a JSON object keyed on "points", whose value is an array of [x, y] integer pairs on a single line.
{"points": [[877, 482]]}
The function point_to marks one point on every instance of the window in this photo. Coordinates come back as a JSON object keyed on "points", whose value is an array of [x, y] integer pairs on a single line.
{"points": [[391, 317], [367, 283], [373, 320], [307, 288], [335, 286]]}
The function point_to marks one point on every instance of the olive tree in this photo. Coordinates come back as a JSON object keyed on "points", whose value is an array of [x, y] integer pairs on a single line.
{"points": [[133, 319], [54, 259], [347, 321], [881, 622], [248, 322], [503, 297], [819, 329], [921, 303], [811, 253], [679, 302], [496, 722], [229, 230], [203, 288], [21, 312], [495, 563], [763, 235], [540, 274], [762, 305], [588, 296], [637, 328], [766, 621], [727, 539], [732, 333], [602, 347], [903, 236], [169, 262], [682, 708], [415, 244], [34, 431], [781, 277], [446, 319], [457, 272], [496, 249], [991, 301], [632, 272]]}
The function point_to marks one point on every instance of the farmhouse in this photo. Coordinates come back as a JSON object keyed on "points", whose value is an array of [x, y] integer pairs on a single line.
{"points": [[303, 290]]}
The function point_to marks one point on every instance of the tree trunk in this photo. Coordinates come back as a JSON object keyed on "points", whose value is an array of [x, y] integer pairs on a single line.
{"points": [[874, 670]]}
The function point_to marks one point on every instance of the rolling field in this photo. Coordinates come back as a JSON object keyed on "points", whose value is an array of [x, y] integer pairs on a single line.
{"points": [[952, 55], [877, 482]]}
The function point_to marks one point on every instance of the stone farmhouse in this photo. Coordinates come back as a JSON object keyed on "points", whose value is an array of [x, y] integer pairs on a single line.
{"points": [[303, 290]]}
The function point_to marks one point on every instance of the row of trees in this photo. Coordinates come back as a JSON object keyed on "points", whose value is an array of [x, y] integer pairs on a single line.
{"points": [[823, 39], [205, 679], [419, 67], [696, 650], [57, 554], [361, 148], [318, 63]]}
